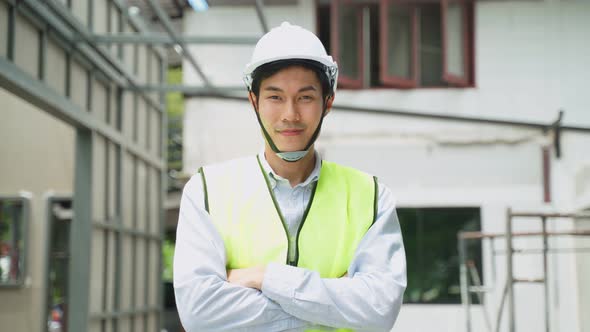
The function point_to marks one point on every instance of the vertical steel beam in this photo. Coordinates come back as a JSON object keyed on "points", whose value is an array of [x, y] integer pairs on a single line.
{"points": [[134, 129], [81, 234], [107, 268], [90, 14], [11, 32], [147, 246], [509, 272], [119, 221], [133, 263], [89, 95], [68, 75], [464, 279], [120, 24], [501, 307], [162, 190], [109, 108], [119, 109], [42, 54], [545, 283], [261, 17], [546, 174]]}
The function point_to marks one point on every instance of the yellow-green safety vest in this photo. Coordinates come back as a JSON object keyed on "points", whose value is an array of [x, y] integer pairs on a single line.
{"points": [[245, 212]]}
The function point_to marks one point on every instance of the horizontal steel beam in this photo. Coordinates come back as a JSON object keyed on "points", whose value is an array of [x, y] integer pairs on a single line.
{"points": [[125, 313], [165, 39], [481, 235], [115, 225], [549, 215], [420, 115], [189, 89], [17, 81], [218, 3]]}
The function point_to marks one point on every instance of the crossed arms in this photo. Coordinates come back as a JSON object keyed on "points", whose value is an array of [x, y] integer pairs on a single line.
{"points": [[279, 297]]}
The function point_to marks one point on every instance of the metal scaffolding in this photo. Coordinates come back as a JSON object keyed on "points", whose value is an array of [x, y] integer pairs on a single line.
{"points": [[471, 281]]}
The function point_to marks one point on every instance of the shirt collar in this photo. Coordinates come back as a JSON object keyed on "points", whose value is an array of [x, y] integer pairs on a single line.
{"points": [[274, 178]]}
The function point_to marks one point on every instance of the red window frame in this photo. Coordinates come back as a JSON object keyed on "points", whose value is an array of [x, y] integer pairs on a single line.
{"points": [[460, 81], [392, 80], [343, 80], [466, 80]]}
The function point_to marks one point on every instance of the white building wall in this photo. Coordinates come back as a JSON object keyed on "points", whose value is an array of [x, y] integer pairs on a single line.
{"points": [[531, 61]]}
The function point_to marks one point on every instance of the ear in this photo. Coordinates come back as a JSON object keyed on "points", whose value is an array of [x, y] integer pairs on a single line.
{"points": [[329, 103]]}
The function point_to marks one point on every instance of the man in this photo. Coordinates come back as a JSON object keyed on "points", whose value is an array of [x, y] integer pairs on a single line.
{"points": [[284, 240]]}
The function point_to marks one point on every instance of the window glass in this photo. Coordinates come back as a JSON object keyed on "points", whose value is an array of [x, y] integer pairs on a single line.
{"points": [[60, 218], [430, 240], [399, 41], [454, 39], [430, 47], [12, 226], [349, 41]]}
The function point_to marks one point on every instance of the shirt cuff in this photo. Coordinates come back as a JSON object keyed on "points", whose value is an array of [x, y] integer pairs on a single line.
{"points": [[280, 282]]}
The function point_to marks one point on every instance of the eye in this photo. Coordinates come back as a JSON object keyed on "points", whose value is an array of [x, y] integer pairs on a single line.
{"points": [[274, 97], [306, 98]]}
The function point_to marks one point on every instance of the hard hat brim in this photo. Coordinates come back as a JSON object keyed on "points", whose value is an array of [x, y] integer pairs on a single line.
{"points": [[331, 66]]}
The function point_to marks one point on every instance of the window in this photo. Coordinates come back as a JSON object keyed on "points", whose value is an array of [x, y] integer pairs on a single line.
{"points": [[14, 215], [60, 216], [399, 43], [430, 240]]}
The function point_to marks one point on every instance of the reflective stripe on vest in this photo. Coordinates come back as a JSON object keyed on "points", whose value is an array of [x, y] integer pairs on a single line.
{"points": [[244, 211]]}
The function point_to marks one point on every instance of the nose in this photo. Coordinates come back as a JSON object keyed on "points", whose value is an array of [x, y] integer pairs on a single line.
{"points": [[291, 113]]}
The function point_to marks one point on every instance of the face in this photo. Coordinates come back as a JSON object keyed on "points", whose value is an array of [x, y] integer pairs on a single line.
{"points": [[290, 107]]}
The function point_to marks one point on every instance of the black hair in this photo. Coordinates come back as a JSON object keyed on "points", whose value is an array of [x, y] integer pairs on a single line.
{"points": [[269, 69]]}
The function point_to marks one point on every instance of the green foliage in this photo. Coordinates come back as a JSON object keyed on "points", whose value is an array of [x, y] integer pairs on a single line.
{"points": [[175, 110], [167, 259], [175, 100]]}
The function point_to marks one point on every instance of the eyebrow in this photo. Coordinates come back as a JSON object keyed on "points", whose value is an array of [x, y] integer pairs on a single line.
{"points": [[274, 88]]}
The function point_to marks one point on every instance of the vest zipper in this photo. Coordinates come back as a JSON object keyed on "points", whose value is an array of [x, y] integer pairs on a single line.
{"points": [[290, 242], [315, 185]]}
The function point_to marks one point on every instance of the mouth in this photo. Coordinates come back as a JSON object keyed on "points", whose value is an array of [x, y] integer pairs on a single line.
{"points": [[291, 132]]}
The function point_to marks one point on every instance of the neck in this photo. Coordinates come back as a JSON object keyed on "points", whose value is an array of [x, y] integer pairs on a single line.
{"points": [[296, 172]]}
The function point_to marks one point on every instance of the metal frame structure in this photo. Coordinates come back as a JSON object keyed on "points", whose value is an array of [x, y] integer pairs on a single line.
{"points": [[54, 20], [164, 39], [508, 294]]}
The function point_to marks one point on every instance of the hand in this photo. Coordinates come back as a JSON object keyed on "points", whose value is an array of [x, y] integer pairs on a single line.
{"points": [[251, 277]]}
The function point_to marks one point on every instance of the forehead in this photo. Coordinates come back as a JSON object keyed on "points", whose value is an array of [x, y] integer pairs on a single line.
{"points": [[293, 76]]}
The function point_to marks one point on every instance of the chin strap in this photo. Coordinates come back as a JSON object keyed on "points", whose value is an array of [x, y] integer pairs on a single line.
{"points": [[292, 156]]}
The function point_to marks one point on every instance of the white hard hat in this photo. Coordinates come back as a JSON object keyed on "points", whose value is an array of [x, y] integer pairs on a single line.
{"points": [[288, 42]]}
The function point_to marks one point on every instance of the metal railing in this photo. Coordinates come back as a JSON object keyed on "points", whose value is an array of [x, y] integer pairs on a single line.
{"points": [[468, 272]]}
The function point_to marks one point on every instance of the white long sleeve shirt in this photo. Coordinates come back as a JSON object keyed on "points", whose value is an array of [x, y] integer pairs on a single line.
{"points": [[292, 298]]}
